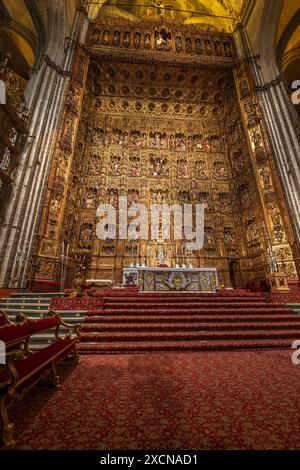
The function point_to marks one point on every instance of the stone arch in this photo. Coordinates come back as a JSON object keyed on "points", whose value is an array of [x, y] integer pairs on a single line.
{"points": [[287, 34]]}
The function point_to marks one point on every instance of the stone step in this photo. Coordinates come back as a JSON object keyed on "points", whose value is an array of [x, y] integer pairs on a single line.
{"points": [[35, 295], [29, 301]]}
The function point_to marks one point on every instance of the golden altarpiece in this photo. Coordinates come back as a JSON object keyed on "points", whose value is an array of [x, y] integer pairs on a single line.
{"points": [[160, 112]]}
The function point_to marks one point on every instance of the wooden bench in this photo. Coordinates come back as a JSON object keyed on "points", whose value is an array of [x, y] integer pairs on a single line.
{"points": [[25, 368]]}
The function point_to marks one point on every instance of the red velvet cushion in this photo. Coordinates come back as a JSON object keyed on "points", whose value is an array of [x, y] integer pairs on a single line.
{"points": [[15, 333], [2, 319], [38, 361]]}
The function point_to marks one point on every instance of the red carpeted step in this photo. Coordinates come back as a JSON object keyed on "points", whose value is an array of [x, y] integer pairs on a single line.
{"points": [[150, 327], [255, 317], [220, 345], [190, 336], [188, 305], [199, 311], [188, 298]]}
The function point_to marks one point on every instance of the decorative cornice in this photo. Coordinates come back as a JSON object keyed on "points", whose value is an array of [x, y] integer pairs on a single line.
{"points": [[57, 68]]}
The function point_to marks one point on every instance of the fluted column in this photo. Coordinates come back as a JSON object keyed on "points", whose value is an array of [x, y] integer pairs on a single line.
{"points": [[45, 97], [282, 126]]}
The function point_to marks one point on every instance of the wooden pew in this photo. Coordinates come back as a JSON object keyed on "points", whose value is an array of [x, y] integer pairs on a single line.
{"points": [[24, 368]]}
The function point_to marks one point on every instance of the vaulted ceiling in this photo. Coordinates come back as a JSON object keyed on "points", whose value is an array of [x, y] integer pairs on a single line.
{"points": [[217, 14]]}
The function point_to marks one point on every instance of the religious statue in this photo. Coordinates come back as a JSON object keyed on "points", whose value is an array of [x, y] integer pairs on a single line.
{"points": [[162, 39], [117, 38], [188, 45], [126, 39], [178, 44], [265, 175], [105, 39], [199, 46], [147, 41], [137, 40]]}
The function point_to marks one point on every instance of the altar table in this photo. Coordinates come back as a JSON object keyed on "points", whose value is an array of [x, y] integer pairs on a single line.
{"points": [[150, 279]]}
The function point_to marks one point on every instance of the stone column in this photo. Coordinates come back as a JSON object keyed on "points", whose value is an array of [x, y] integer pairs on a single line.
{"points": [[45, 96], [282, 126]]}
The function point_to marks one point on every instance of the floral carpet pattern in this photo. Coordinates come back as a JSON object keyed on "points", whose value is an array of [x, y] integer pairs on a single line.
{"points": [[199, 400]]}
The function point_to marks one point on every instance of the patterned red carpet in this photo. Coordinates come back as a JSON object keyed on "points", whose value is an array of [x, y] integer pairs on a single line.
{"points": [[199, 400], [140, 322]]}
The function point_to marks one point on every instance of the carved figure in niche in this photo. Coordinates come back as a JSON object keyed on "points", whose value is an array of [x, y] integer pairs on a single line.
{"points": [[147, 41], [208, 49], [229, 237], [112, 196], [277, 228], [54, 207], [134, 166], [244, 88], [251, 232], [180, 142], [245, 196], [154, 139], [135, 137], [197, 138], [106, 38], [253, 115], [137, 40], [95, 164], [108, 250], [204, 199], [227, 49], [158, 196], [117, 38], [199, 46], [190, 143], [216, 143], [126, 39], [125, 138], [256, 139], [164, 140], [184, 197], [72, 99], [133, 196], [182, 169], [144, 139], [178, 44], [68, 135], [162, 39], [220, 171], [188, 45], [86, 236], [224, 202], [172, 142], [209, 236], [95, 36], [90, 197], [218, 49], [115, 165], [159, 166], [201, 169], [265, 175]]}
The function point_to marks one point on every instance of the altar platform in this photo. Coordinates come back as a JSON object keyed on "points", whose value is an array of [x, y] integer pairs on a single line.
{"points": [[165, 279]]}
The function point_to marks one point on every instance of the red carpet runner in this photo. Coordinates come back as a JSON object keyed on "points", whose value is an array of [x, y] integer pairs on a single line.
{"points": [[207, 400], [140, 322]]}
